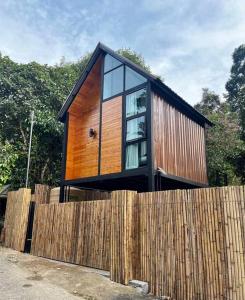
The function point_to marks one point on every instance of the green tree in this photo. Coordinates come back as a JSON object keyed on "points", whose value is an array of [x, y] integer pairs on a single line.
{"points": [[210, 102], [224, 145], [42, 88], [135, 57], [8, 158], [26, 87], [235, 86]]}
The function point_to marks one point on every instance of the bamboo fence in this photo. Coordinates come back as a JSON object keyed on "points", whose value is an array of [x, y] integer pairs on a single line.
{"points": [[187, 244]]}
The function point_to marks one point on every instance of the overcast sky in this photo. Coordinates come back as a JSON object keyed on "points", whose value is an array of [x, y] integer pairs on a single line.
{"points": [[188, 42]]}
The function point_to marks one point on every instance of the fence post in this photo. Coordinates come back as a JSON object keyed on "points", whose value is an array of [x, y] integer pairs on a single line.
{"points": [[42, 193], [121, 236], [16, 218]]}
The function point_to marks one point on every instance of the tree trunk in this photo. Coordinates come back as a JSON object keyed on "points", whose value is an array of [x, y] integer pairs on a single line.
{"points": [[44, 169]]}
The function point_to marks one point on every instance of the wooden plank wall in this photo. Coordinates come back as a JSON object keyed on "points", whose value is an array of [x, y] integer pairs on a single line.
{"points": [[76, 232], [83, 150], [16, 218], [84, 113], [179, 143], [111, 136], [191, 243]]}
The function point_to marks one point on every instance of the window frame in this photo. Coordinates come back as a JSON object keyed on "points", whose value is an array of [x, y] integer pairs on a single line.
{"points": [[120, 63], [146, 113], [126, 119], [146, 105], [113, 69], [124, 91], [136, 117], [123, 85], [125, 71], [139, 141]]}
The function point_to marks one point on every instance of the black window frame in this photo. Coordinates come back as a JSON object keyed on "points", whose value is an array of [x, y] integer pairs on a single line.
{"points": [[126, 119], [139, 141], [136, 117], [109, 70], [123, 84], [140, 113], [125, 71], [146, 113]]}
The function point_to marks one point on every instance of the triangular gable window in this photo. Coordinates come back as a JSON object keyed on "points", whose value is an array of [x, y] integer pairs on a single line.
{"points": [[119, 78], [133, 78], [110, 63], [113, 83]]}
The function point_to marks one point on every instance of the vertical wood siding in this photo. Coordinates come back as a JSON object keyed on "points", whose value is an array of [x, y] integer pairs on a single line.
{"points": [[84, 113], [179, 143], [111, 139]]}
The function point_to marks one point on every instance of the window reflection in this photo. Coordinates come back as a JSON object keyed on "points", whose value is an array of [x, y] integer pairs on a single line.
{"points": [[136, 103], [113, 83]]}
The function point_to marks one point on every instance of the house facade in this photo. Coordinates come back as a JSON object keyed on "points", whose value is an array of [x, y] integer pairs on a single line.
{"points": [[125, 129]]}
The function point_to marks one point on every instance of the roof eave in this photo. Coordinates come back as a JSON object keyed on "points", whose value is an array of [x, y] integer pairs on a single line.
{"points": [[180, 101]]}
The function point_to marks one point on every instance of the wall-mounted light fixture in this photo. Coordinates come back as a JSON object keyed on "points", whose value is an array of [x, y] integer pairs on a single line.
{"points": [[92, 133]]}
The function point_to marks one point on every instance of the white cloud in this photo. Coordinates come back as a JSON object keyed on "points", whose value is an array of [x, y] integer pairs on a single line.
{"points": [[188, 43], [198, 54]]}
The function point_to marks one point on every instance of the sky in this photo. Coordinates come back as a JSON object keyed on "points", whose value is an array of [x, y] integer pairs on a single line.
{"points": [[188, 43]]}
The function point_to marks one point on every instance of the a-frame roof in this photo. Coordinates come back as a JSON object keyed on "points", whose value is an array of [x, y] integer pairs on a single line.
{"points": [[162, 89]]}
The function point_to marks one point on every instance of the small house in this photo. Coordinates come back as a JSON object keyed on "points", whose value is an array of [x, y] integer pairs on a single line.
{"points": [[126, 129]]}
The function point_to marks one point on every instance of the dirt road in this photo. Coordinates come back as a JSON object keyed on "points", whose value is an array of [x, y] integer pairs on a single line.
{"points": [[26, 277]]}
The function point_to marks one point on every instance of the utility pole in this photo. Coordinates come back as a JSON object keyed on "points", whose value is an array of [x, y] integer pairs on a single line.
{"points": [[29, 150]]}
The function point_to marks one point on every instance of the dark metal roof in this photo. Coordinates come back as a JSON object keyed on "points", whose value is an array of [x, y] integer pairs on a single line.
{"points": [[162, 89]]}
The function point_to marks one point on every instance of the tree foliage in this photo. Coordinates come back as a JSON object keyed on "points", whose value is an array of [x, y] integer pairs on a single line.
{"points": [[135, 57], [8, 158], [210, 102], [42, 88], [236, 86], [226, 139], [224, 145]]}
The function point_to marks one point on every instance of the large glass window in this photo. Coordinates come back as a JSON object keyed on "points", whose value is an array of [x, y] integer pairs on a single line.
{"points": [[119, 78], [133, 79], [136, 103], [113, 83], [136, 144], [110, 63], [136, 155], [135, 128]]}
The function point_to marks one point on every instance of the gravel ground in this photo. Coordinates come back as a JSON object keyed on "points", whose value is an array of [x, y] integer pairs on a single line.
{"points": [[23, 276]]}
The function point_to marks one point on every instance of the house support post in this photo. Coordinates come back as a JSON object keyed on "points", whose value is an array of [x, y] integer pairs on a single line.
{"points": [[122, 250], [151, 181], [62, 193]]}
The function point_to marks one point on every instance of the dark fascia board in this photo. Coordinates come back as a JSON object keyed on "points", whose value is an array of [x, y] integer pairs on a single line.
{"points": [[181, 179], [164, 90], [127, 173]]}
